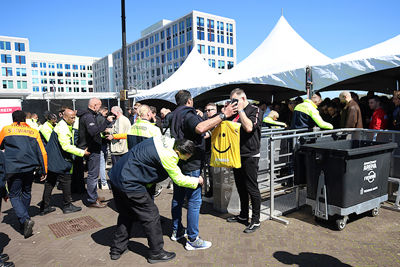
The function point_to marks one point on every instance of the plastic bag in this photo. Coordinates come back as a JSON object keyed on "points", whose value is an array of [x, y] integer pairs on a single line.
{"points": [[225, 145]]}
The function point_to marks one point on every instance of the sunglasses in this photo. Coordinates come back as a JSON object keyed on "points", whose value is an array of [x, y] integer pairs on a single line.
{"points": [[208, 110]]}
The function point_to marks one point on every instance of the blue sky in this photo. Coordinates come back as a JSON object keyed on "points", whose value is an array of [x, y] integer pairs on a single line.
{"points": [[93, 27]]}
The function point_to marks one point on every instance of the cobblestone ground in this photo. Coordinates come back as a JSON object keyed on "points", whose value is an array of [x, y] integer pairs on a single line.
{"points": [[366, 241]]}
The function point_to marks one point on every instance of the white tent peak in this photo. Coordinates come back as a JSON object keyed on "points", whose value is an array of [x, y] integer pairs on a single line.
{"points": [[284, 49], [194, 72], [389, 47]]}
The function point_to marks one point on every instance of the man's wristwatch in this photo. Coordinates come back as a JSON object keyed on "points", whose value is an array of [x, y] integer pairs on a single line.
{"points": [[222, 116]]}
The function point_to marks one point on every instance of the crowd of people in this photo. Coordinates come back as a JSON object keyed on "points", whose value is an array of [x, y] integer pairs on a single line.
{"points": [[143, 155]]}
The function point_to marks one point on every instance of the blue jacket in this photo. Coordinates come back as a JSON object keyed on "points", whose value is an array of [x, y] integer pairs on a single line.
{"points": [[151, 161]]}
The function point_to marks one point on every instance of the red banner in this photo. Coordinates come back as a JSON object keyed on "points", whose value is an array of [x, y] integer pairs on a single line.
{"points": [[4, 110]]}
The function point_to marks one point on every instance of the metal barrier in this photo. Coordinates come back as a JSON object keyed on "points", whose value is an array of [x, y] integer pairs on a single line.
{"points": [[281, 162]]}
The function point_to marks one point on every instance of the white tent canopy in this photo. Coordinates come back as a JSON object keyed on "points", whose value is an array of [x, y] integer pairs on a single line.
{"points": [[193, 73], [372, 68], [283, 50], [273, 63]]}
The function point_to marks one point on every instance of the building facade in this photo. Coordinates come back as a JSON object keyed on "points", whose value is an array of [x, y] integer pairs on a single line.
{"points": [[26, 74], [103, 78], [15, 76], [164, 46], [61, 73]]}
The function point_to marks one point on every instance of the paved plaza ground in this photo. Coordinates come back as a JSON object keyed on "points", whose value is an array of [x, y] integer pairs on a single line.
{"points": [[366, 241]]}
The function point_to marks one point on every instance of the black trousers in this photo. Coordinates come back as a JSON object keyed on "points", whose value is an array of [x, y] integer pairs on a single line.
{"points": [[246, 184], [136, 206], [78, 183], [64, 180]]}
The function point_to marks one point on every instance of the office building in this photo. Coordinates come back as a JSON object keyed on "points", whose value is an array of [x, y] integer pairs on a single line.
{"points": [[164, 46], [103, 79], [34, 75]]}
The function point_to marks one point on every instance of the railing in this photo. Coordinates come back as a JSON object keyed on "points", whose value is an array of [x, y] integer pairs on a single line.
{"points": [[279, 160]]}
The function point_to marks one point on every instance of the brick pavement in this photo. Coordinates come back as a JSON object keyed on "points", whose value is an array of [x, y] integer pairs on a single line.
{"points": [[366, 241]]}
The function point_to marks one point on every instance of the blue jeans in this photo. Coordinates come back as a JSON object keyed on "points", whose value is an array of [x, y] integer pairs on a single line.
{"points": [[20, 187], [93, 163], [194, 204], [102, 174]]}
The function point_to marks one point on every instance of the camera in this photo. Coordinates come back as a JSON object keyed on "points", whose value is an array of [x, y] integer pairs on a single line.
{"points": [[234, 100]]}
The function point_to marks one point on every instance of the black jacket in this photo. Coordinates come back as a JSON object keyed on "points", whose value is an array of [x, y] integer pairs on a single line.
{"points": [[90, 130]]}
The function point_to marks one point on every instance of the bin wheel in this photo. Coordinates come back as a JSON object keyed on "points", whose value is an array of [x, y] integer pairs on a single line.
{"points": [[341, 223], [375, 212]]}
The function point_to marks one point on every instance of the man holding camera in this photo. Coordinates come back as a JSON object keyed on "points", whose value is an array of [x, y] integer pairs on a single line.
{"points": [[250, 118]]}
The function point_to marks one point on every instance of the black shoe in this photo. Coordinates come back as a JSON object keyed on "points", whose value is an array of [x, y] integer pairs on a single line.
{"points": [[161, 257], [237, 218], [4, 257], [71, 208], [252, 228], [116, 255], [6, 264], [46, 211], [28, 228]]}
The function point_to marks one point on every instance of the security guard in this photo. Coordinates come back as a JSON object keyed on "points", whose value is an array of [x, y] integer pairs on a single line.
{"points": [[24, 154], [60, 150], [271, 120], [46, 129], [140, 130], [151, 161], [306, 114]]}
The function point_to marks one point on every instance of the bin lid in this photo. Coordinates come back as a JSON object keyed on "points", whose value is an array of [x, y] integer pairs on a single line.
{"points": [[351, 147]]}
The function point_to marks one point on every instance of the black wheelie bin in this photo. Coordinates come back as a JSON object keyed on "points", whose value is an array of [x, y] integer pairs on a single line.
{"points": [[346, 176]]}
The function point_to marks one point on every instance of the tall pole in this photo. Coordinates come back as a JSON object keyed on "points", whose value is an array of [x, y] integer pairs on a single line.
{"points": [[125, 104]]}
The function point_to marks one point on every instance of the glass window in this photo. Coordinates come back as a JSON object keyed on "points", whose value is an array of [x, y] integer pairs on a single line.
{"points": [[6, 58], [189, 49], [21, 72], [35, 88], [201, 48], [44, 88], [182, 50], [43, 73], [42, 64], [188, 22], [211, 50], [200, 22], [141, 44], [168, 32], [34, 81], [52, 73], [221, 51], [189, 36], [20, 60], [175, 41], [51, 66], [82, 67], [8, 84], [157, 37], [5, 45], [83, 82], [181, 38], [67, 74], [221, 64], [230, 64], [175, 29], [168, 44], [176, 54], [67, 66], [6, 71], [22, 85], [74, 67], [35, 72], [20, 47], [210, 23], [34, 64], [43, 81], [147, 41], [200, 35], [211, 63], [169, 56]]}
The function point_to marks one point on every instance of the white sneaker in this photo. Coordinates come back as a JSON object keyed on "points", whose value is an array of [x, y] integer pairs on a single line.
{"points": [[105, 187], [197, 244]]}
